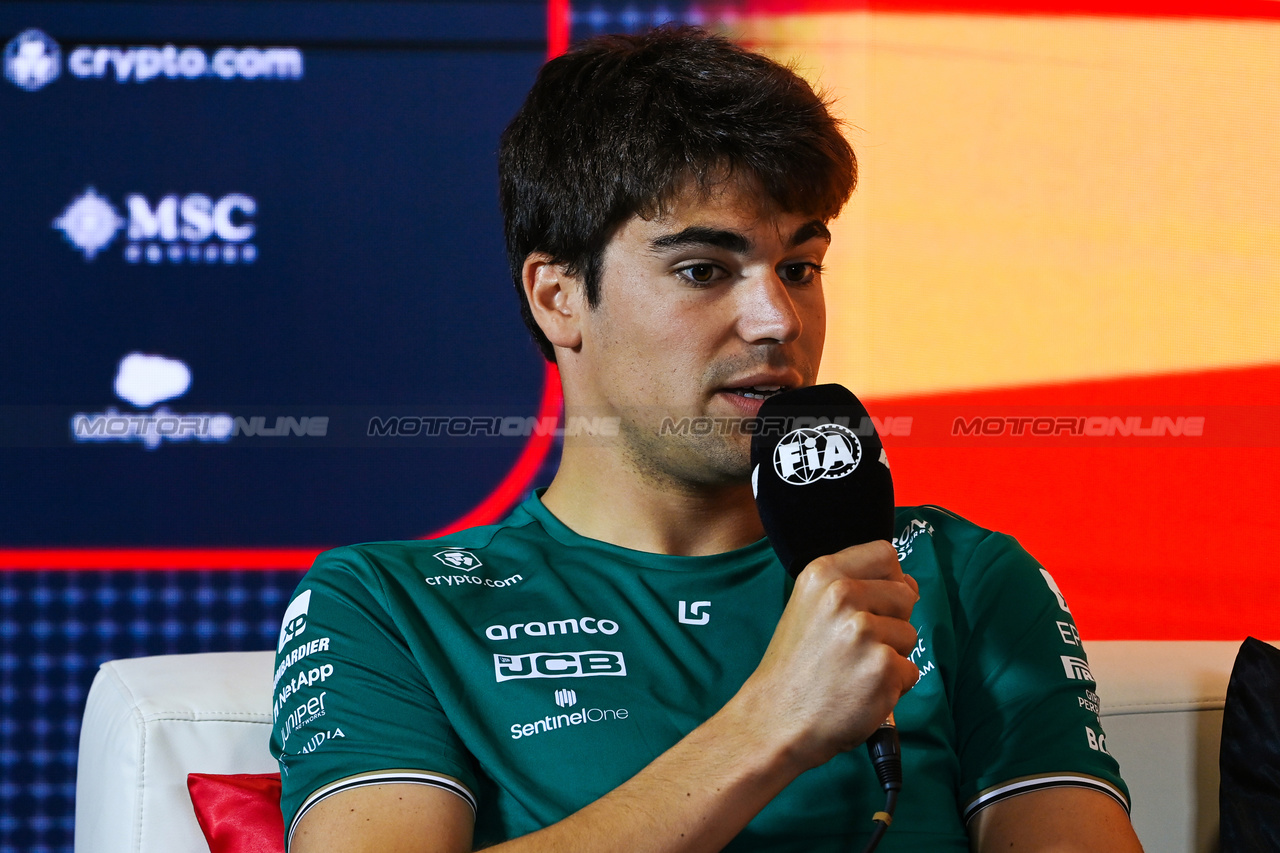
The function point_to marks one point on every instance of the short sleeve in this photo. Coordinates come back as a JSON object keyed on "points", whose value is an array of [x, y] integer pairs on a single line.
{"points": [[351, 706], [1026, 705]]}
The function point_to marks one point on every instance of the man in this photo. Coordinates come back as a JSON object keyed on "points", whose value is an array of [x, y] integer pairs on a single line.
{"points": [[623, 664]]}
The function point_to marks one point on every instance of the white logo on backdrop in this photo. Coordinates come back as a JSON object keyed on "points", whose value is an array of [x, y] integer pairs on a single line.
{"points": [[193, 228], [32, 60], [89, 223], [147, 379]]}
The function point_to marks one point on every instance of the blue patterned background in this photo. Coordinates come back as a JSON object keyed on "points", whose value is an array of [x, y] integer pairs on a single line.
{"points": [[57, 627]]}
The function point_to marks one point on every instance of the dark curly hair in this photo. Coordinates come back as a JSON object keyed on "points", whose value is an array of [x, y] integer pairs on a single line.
{"points": [[616, 127]]}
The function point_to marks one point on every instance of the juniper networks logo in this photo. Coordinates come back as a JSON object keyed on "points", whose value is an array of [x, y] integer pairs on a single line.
{"points": [[193, 228], [32, 60]]}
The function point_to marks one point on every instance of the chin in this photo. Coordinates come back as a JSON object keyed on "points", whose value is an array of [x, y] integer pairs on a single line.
{"points": [[729, 465]]}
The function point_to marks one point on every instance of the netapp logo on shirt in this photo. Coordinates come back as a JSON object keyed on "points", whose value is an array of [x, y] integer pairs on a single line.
{"points": [[33, 60], [559, 665]]}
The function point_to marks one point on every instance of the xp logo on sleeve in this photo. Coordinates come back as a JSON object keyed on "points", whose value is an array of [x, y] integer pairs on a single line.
{"points": [[823, 452], [295, 619], [32, 60], [558, 665]]}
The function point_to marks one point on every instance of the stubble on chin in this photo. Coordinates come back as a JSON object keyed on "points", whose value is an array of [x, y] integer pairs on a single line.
{"points": [[682, 459]]}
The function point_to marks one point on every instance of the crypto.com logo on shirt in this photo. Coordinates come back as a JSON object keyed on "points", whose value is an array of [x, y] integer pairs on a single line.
{"points": [[33, 60]]}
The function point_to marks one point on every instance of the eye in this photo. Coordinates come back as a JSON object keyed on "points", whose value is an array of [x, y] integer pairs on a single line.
{"points": [[799, 273], [701, 273]]}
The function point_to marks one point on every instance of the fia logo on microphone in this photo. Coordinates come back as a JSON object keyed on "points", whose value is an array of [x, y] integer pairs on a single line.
{"points": [[823, 452]]}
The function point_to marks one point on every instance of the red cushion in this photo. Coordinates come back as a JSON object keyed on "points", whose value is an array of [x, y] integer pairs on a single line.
{"points": [[239, 813]]}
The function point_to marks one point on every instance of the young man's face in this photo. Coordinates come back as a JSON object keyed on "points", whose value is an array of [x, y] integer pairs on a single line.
{"points": [[703, 312]]}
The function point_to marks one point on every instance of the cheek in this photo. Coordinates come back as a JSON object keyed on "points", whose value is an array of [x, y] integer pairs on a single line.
{"points": [[815, 324]]}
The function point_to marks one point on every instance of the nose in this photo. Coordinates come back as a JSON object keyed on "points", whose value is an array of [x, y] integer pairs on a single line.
{"points": [[768, 311]]}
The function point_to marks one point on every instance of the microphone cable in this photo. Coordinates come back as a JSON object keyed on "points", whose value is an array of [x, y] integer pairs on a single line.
{"points": [[886, 757]]}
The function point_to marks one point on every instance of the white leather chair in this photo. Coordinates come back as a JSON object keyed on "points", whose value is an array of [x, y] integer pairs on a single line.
{"points": [[150, 721], [147, 724]]}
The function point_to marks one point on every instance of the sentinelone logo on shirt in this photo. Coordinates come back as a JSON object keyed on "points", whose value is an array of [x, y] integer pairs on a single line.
{"points": [[33, 60], [194, 228]]}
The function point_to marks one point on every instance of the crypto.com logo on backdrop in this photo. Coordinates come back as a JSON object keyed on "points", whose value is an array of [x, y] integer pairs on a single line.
{"points": [[33, 60], [193, 228]]}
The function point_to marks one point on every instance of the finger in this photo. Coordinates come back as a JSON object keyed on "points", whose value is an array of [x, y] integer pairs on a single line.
{"points": [[882, 598], [868, 561], [907, 673], [897, 634]]}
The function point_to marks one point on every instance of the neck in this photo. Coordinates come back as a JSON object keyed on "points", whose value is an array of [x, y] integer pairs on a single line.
{"points": [[597, 495]]}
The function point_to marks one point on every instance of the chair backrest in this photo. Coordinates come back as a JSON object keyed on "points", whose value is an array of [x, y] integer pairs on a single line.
{"points": [[147, 724], [150, 721], [1162, 709]]}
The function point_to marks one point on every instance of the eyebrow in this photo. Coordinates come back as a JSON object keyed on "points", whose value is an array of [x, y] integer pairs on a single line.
{"points": [[733, 241], [808, 231]]}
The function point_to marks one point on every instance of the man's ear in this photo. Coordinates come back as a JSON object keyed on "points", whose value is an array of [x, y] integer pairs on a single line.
{"points": [[556, 299]]}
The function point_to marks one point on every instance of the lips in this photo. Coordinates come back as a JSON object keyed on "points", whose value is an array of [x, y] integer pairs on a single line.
{"points": [[758, 392]]}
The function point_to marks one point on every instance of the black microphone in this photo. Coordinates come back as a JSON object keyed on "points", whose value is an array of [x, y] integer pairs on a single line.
{"points": [[822, 484]]}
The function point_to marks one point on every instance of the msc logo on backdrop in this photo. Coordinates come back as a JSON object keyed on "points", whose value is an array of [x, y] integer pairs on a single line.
{"points": [[32, 61], [193, 228]]}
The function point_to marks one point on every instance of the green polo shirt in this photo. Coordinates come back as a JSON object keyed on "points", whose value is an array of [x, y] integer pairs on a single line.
{"points": [[530, 671]]}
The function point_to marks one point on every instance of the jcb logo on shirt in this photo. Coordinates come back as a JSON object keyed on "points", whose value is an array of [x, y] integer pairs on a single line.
{"points": [[559, 665]]}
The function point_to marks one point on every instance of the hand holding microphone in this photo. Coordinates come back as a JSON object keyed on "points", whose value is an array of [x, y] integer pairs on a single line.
{"points": [[825, 494]]}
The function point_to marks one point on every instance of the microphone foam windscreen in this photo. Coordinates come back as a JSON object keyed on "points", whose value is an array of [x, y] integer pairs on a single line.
{"points": [[820, 474]]}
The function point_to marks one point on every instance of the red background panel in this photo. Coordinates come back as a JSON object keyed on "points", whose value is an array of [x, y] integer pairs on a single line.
{"points": [[1160, 541], [1246, 9]]}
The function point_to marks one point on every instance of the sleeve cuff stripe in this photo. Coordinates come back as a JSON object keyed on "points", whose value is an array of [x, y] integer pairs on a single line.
{"points": [[397, 777], [1037, 783]]}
